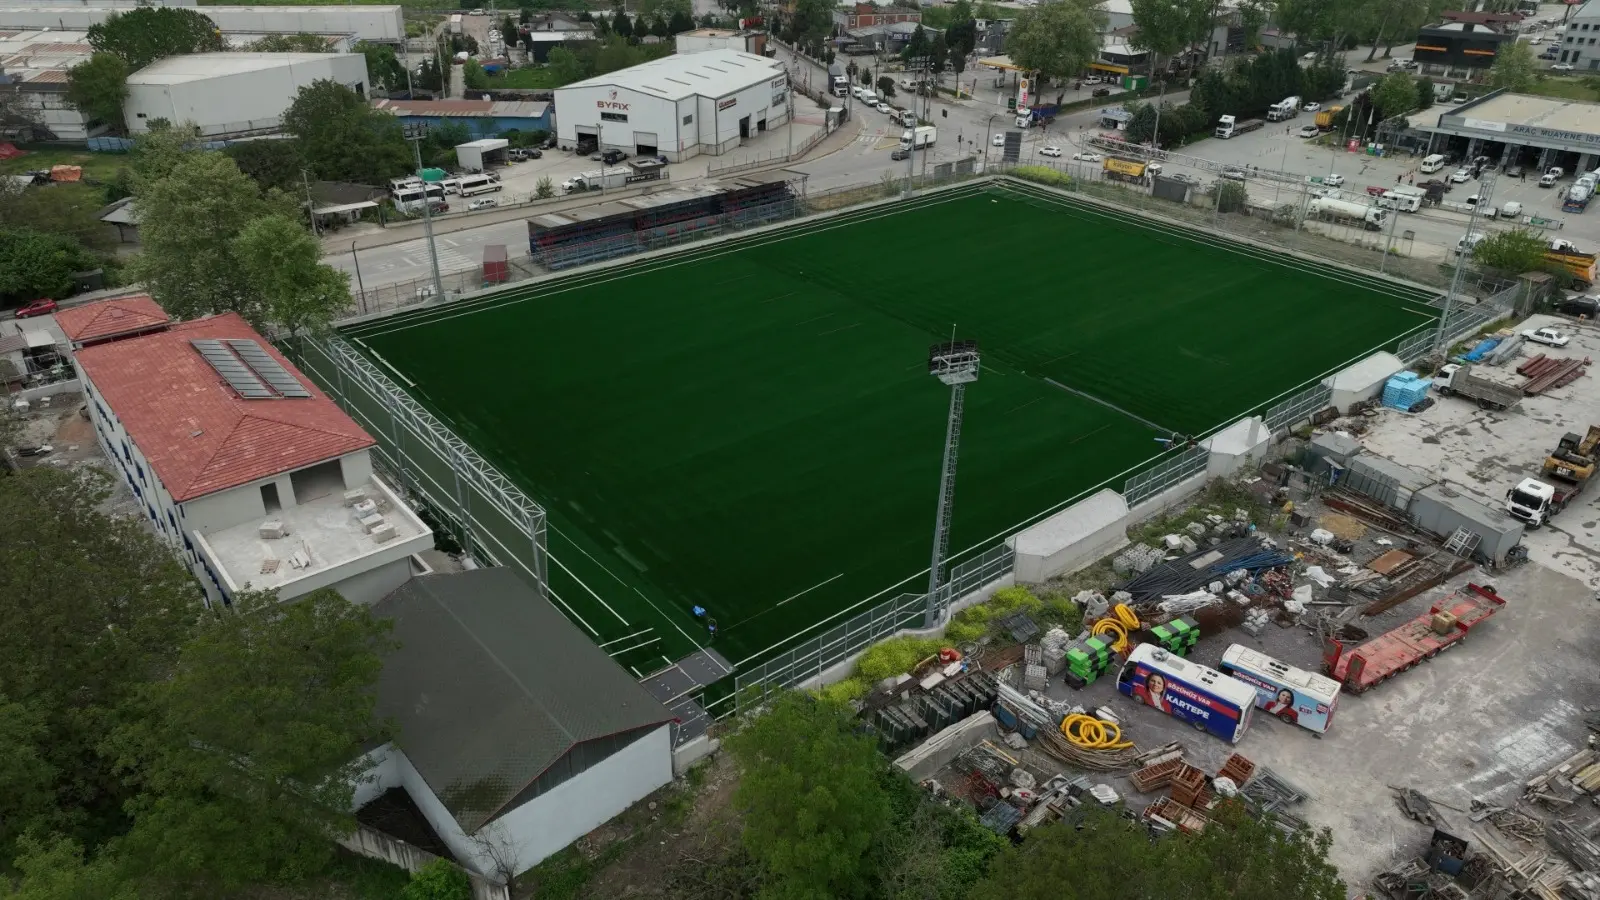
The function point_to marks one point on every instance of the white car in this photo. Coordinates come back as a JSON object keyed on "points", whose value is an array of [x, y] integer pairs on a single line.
{"points": [[1092, 79], [484, 203], [1309, 131], [1153, 169], [999, 140], [1051, 151], [1460, 176], [1562, 67], [1333, 180], [1557, 171], [1087, 157], [1547, 336], [1233, 174], [885, 108], [1310, 107], [1547, 180]]}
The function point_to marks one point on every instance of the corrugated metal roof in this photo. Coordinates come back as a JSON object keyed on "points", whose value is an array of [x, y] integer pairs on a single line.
{"points": [[713, 73], [491, 685], [464, 109]]}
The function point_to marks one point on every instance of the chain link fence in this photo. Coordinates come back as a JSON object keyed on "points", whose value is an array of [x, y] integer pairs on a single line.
{"points": [[1152, 481]]}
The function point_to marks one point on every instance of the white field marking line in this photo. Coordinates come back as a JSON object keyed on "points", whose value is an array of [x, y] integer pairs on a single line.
{"points": [[636, 672], [669, 263], [633, 648], [399, 374], [670, 621], [810, 589], [586, 587], [1370, 282], [626, 637], [486, 532], [624, 269], [665, 660], [574, 545]]}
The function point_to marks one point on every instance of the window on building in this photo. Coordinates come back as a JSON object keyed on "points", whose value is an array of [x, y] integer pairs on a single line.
{"points": [[269, 497], [688, 120], [613, 117]]}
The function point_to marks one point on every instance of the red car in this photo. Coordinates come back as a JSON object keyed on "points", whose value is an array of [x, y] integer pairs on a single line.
{"points": [[37, 308]]}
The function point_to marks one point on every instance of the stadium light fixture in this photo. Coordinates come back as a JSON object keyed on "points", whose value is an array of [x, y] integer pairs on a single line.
{"points": [[955, 364]]}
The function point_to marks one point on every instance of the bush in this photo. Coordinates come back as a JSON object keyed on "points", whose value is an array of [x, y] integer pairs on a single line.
{"points": [[1043, 175], [895, 656], [1232, 197], [438, 880], [842, 692]]}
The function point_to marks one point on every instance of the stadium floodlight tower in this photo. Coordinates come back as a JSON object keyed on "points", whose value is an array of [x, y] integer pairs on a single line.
{"points": [[956, 364]]}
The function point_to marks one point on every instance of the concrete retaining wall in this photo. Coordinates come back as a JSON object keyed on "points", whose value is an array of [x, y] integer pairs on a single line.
{"points": [[375, 844]]}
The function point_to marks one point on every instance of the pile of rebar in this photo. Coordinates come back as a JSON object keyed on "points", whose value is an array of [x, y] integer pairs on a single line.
{"points": [[1548, 372], [1181, 576]]}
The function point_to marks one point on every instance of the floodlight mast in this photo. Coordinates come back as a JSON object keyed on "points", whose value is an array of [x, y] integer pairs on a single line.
{"points": [[416, 133], [955, 364]]}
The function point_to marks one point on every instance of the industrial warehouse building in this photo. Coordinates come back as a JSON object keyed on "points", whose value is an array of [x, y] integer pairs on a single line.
{"points": [[232, 94], [678, 106], [1512, 128]]}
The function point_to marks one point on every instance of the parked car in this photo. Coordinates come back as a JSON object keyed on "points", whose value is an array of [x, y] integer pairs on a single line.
{"points": [[885, 108], [1233, 174], [1489, 211], [1100, 92], [483, 203], [1515, 171], [1309, 131], [612, 157], [37, 308], [1092, 79], [1510, 209], [999, 140], [1557, 171], [1547, 336], [1051, 151], [1547, 180], [1087, 157], [1460, 176], [1310, 107], [1333, 180], [1562, 67], [900, 153]]}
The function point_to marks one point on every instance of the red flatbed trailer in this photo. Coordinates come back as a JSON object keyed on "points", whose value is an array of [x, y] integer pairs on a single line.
{"points": [[1391, 653]]}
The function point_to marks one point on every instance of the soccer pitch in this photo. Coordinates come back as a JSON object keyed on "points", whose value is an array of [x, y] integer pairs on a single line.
{"points": [[750, 426]]}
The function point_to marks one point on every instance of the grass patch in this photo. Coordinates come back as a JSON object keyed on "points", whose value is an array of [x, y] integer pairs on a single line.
{"points": [[526, 78], [98, 166], [1220, 497], [1568, 88], [565, 875]]}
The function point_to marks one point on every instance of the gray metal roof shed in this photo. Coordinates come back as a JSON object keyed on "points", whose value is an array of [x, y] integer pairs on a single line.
{"points": [[498, 696], [1384, 480], [1442, 508]]}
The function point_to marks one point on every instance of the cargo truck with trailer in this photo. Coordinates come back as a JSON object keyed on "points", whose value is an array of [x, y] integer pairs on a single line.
{"points": [[1368, 217], [1456, 380], [1443, 626], [1536, 502], [838, 80], [919, 138], [1229, 126]]}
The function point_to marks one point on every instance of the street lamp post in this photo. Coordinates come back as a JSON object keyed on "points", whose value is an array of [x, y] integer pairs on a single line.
{"points": [[987, 140], [415, 132], [362, 285]]}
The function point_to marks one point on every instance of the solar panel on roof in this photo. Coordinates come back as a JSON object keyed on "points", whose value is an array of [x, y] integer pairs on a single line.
{"points": [[232, 370], [268, 368]]}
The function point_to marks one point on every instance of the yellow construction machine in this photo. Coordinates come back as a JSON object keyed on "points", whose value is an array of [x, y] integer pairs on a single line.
{"points": [[1573, 460]]}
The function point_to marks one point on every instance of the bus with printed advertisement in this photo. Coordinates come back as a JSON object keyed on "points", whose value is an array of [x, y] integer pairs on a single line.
{"points": [[1296, 696], [1189, 692]]}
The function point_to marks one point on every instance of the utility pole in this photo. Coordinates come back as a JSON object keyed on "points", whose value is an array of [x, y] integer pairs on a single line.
{"points": [[416, 132], [311, 205], [956, 365]]}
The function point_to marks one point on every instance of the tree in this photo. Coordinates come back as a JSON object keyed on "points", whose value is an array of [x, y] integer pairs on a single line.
{"points": [[811, 22], [34, 264], [1168, 27], [383, 67], [508, 29], [284, 266], [1231, 197], [917, 47], [291, 43], [937, 51], [809, 790], [67, 210], [1100, 856], [270, 164], [1395, 95], [248, 751], [565, 67], [621, 26], [473, 75], [545, 189], [1513, 251], [149, 33], [98, 86], [1056, 40], [658, 27], [192, 204], [866, 77], [885, 86], [680, 22], [87, 594], [438, 880], [343, 138], [1514, 68], [1425, 96]]}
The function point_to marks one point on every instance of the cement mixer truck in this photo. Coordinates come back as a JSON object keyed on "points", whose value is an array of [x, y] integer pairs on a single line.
{"points": [[1343, 211]]}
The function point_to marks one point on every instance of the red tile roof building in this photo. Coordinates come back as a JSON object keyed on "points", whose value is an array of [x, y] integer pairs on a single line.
{"points": [[106, 320], [198, 435]]}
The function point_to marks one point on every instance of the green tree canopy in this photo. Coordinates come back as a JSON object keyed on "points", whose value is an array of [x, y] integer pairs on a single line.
{"points": [[1395, 95], [270, 164], [1057, 40], [35, 264], [98, 86], [1513, 251], [1514, 68], [383, 67], [342, 138], [284, 265], [148, 33], [810, 791], [885, 87], [1168, 27]]}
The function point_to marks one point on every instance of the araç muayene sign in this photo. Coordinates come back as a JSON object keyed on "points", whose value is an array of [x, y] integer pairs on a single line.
{"points": [[1125, 167]]}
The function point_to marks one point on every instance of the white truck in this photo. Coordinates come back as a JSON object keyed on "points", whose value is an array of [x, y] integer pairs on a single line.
{"points": [[1284, 109], [838, 80], [594, 181], [918, 138], [1229, 126], [1535, 502], [455, 24], [1404, 198], [1369, 217]]}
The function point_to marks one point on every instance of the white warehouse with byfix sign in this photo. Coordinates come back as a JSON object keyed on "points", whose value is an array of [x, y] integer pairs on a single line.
{"points": [[678, 106]]}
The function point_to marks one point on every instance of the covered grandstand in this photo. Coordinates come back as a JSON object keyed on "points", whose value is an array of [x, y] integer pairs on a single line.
{"points": [[620, 227]]}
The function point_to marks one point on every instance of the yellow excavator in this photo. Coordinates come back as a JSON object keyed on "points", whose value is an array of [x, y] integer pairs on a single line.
{"points": [[1573, 460]]}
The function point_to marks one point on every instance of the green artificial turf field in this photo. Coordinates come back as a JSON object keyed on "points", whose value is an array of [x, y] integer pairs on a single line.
{"points": [[750, 426]]}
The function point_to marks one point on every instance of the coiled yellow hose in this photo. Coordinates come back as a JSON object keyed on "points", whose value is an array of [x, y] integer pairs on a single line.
{"points": [[1093, 734]]}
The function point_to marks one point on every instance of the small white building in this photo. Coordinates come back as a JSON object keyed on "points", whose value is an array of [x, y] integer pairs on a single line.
{"points": [[254, 477], [232, 94], [677, 106], [517, 734], [702, 39]]}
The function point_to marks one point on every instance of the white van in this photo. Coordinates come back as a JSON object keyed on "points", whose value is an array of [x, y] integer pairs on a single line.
{"points": [[870, 98], [1432, 164]]}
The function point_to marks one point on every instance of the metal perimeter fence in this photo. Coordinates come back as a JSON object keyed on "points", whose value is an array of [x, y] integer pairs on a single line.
{"points": [[456, 489], [807, 659]]}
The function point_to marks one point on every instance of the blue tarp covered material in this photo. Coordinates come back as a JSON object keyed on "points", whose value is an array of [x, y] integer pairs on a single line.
{"points": [[1405, 390], [1484, 348]]}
